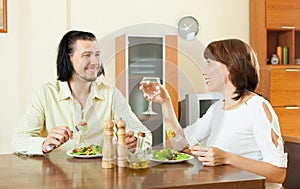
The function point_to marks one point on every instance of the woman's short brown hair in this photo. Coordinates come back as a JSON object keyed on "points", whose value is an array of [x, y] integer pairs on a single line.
{"points": [[240, 60]]}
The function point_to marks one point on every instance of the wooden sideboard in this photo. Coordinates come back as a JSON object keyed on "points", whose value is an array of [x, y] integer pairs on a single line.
{"points": [[276, 23]]}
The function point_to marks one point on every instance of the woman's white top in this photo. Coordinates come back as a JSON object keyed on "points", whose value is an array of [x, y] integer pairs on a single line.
{"points": [[245, 131]]}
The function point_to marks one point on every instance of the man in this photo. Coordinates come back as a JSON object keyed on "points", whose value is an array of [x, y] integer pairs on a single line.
{"points": [[76, 97]]}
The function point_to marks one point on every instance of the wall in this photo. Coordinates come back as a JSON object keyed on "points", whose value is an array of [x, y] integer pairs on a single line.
{"points": [[35, 27]]}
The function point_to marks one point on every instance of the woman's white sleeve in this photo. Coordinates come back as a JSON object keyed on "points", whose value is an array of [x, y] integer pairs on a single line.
{"points": [[198, 131], [262, 129]]}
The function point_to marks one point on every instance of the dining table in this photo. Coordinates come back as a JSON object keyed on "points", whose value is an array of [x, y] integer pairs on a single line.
{"points": [[58, 170]]}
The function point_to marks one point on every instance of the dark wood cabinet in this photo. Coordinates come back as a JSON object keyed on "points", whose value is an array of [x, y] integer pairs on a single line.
{"points": [[292, 147]]}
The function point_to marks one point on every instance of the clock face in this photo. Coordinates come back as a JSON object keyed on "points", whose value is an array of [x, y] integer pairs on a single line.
{"points": [[188, 27]]}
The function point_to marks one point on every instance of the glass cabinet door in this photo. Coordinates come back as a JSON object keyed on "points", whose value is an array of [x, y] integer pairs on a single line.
{"points": [[145, 59], [147, 56]]}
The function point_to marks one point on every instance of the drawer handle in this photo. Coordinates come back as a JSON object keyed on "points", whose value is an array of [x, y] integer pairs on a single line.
{"points": [[292, 107], [288, 27], [292, 69]]}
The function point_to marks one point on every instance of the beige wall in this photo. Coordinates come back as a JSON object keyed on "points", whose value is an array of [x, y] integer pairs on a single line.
{"points": [[35, 27]]}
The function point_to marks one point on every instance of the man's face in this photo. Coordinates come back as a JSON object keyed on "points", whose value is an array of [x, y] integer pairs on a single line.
{"points": [[86, 60]]}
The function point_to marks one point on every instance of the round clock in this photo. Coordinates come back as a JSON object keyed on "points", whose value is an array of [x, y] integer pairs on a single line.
{"points": [[188, 27]]}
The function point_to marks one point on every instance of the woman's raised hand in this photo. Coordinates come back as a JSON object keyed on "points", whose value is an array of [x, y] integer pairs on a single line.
{"points": [[161, 97]]}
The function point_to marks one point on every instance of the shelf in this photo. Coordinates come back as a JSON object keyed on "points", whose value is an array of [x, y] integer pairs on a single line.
{"points": [[281, 38]]}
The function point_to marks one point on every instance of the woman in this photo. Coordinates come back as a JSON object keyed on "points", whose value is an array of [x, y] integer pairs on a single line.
{"points": [[241, 130]]}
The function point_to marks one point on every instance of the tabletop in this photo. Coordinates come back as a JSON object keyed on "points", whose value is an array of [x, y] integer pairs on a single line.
{"points": [[57, 170]]}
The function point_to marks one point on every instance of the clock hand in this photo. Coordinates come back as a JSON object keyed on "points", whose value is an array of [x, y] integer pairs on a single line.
{"points": [[185, 27], [191, 24]]}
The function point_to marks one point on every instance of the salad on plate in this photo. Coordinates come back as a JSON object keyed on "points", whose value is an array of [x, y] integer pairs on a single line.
{"points": [[169, 155], [86, 151]]}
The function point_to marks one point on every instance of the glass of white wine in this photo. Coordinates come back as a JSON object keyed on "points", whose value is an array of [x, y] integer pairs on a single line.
{"points": [[150, 86]]}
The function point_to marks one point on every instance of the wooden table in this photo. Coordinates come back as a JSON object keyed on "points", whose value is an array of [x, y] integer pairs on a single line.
{"points": [[57, 170]]}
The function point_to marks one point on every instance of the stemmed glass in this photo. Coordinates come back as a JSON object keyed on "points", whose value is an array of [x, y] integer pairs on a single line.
{"points": [[150, 86]]}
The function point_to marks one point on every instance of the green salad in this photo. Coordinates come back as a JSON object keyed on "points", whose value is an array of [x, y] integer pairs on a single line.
{"points": [[168, 154], [87, 150]]}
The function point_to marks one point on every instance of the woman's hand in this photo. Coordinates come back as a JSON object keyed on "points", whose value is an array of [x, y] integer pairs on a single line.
{"points": [[161, 97], [57, 136], [210, 156], [130, 141]]}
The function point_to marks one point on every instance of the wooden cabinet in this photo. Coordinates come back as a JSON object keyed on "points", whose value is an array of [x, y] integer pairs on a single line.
{"points": [[272, 25], [282, 14], [285, 86], [137, 56], [280, 85], [289, 119], [276, 23]]}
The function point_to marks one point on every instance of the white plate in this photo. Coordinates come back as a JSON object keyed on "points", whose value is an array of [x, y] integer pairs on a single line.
{"points": [[83, 156], [149, 157]]}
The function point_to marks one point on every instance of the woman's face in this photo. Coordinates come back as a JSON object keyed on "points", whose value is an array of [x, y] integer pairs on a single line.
{"points": [[86, 60], [216, 76]]}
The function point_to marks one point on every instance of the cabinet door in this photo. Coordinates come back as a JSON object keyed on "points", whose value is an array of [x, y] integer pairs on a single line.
{"points": [[282, 14], [285, 87], [289, 120], [171, 66]]}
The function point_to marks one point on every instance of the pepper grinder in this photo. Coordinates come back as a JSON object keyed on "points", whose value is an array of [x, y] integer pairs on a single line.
{"points": [[121, 149], [108, 148]]}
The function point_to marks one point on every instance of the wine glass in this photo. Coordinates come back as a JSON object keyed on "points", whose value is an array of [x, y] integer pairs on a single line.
{"points": [[150, 86]]}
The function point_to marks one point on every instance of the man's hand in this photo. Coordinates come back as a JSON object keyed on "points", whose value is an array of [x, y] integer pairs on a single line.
{"points": [[57, 136], [131, 141]]}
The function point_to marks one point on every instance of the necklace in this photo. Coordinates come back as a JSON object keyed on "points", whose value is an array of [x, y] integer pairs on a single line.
{"points": [[227, 106]]}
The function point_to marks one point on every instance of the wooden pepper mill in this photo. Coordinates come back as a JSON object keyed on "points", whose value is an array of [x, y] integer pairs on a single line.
{"points": [[108, 148], [121, 149]]}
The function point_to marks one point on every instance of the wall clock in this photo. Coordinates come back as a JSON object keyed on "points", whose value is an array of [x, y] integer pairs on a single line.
{"points": [[188, 27]]}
